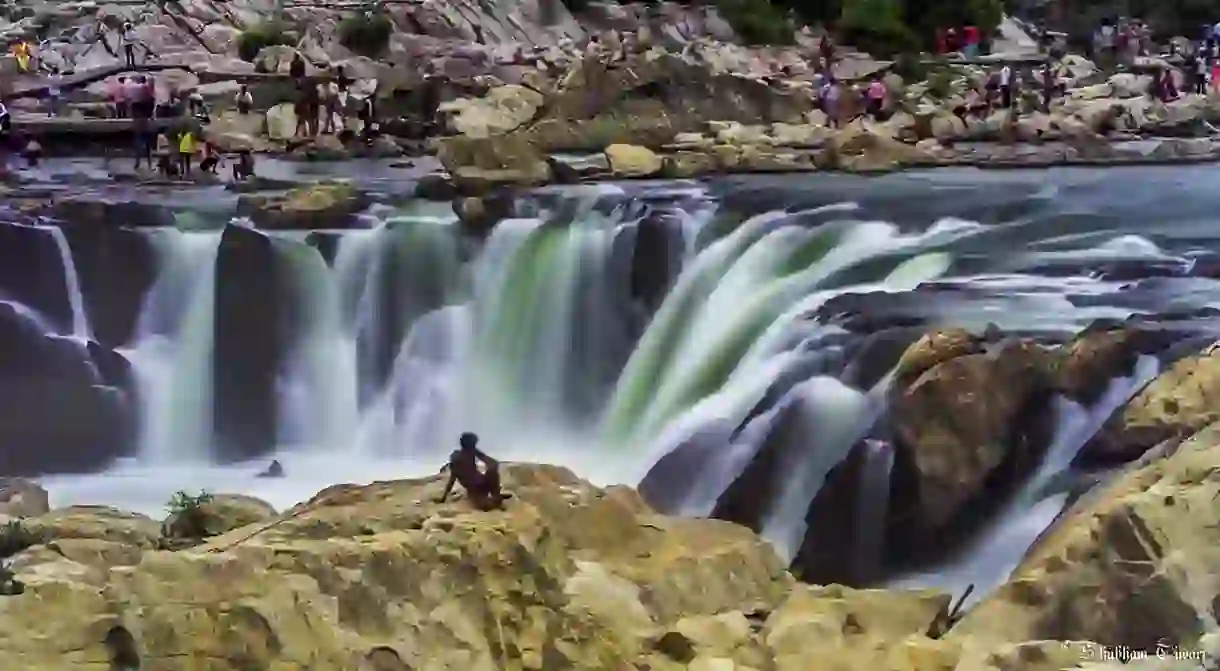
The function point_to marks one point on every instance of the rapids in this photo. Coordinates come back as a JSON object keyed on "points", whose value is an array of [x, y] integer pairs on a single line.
{"points": [[600, 327]]}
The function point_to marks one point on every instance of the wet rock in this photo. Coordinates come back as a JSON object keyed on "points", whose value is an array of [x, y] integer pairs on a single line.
{"points": [[22, 498], [1180, 401], [248, 344], [967, 429], [435, 187], [274, 470], [33, 273], [320, 205], [844, 537], [323, 148], [1131, 566], [116, 267], [1088, 363], [574, 169], [932, 349], [481, 214]]}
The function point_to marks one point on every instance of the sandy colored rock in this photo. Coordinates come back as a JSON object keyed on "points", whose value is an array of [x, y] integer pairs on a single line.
{"points": [[22, 498], [502, 110], [1180, 401], [96, 522], [932, 349], [631, 161], [322, 205], [964, 419], [1131, 565]]}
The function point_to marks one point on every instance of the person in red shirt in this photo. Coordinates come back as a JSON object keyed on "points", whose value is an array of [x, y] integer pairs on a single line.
{"points": [[971, 36]]}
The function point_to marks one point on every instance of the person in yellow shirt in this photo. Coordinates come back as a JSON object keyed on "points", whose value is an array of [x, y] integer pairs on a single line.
{"points": [[22, 53], [186, 149]]}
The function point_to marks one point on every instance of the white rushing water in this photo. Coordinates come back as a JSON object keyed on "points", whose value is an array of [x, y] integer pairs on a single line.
{"points": [[411, 335], [171, 355]]}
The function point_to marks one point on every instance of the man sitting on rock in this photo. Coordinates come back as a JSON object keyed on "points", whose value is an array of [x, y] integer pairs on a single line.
{"points": [[482, 487]]}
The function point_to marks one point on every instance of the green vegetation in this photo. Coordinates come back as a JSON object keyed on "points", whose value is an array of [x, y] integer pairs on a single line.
{"points": [[186, 515], [367, 33], [758, 21], [14, 538], [266, 34]]}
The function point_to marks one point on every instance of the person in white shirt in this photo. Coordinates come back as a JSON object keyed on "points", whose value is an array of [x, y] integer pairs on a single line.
{"points": [[245, 100], [1006, 87], [129, 44], [330, 103]]}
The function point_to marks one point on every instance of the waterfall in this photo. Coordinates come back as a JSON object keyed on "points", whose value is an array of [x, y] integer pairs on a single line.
{"points": [[76, 301], [318, 391], [171, 354], [988, 560]]}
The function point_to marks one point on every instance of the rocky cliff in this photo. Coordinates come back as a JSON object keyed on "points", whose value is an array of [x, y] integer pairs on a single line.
{"points": [[569, 576]]}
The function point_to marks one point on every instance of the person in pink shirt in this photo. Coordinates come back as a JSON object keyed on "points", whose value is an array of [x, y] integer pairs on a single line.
{"points": [[876, 98], [117, 92]]}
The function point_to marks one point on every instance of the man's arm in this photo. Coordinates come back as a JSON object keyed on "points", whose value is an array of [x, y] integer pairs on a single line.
{"points": [[487, 461], [448, 487]]}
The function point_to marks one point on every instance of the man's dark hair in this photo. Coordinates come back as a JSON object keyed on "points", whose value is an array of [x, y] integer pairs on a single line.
{"points": [[468, 440]]}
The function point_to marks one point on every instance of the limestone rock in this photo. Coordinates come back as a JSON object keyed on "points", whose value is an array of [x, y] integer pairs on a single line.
{"points": [[631, 161], [225, 512], [480, 163], [96, 522], [962, 421], [1178, 402], [932, 349], [230, 131], [502, 110], [322, 205], [568, 576], [22, 498], [281, 122], [1132, 564]]}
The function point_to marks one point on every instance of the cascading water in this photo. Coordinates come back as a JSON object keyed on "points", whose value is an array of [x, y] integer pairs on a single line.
{"points": [[409, 332], [988, 560], [171, 355], [76, 300]]}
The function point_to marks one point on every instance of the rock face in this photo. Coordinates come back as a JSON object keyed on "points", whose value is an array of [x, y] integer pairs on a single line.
{"points": [[1177, 403], [1132, 565], [962, 425], [306, 207], [568, 576]]}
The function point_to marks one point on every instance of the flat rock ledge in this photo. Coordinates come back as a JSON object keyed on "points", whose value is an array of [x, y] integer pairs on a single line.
{"points": [[568, 576]]}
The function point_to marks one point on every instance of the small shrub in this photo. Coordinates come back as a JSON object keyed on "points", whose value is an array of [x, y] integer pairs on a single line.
{"points": [[267, 34], [186, 518], [757, 21], [940, 84], [367, 33], [14, 538]]}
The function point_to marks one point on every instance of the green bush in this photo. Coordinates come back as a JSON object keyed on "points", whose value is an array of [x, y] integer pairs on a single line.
{"points": [[876, 26], [758, 21], [367, 34], [14, 538], [186, 515], [267, 34]]}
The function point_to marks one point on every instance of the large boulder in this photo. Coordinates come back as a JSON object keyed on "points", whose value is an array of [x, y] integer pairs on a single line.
{"points": [[970, 425], [1180, 401], [631, 161], [502, 110], [567, 577], [322, 205], [479, 163], [1131, 566]]}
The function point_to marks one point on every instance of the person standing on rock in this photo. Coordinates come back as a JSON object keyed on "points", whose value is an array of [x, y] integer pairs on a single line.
{"points": [[876, 98], [186, 150], [245, 101], [1006, 86], [129, 44], [297, 69], [482, 487]]}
